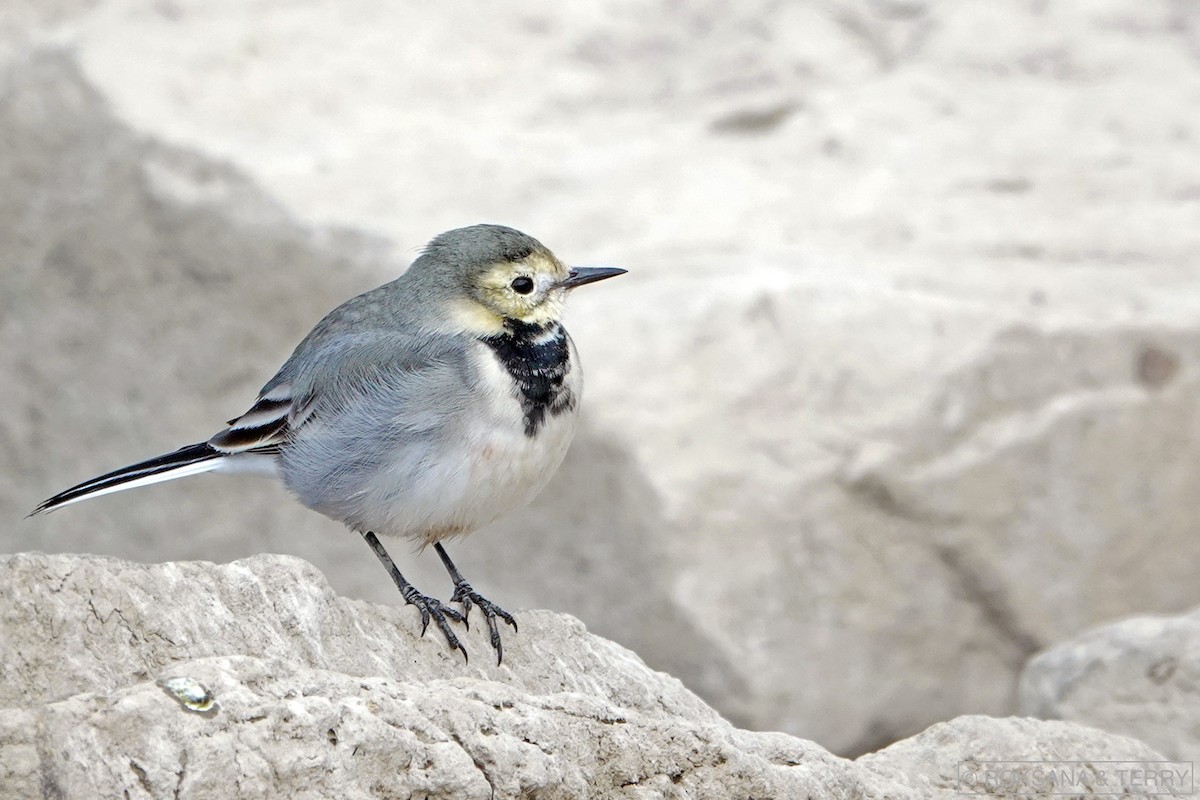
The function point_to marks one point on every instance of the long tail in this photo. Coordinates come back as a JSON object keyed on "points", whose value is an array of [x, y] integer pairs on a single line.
{"points": [[189, 460]]}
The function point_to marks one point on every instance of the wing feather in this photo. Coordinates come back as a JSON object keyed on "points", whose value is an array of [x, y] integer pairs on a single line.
{"points": [[263, 427], [342, 369]]}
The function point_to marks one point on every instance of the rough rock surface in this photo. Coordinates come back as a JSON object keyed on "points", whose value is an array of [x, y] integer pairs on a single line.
{"points": [[317, 695], [952, 759], [1139, 677], [901, 387]]}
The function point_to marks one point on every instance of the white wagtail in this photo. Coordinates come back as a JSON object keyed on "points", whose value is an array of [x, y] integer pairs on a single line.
{"points": [[426, 408]]}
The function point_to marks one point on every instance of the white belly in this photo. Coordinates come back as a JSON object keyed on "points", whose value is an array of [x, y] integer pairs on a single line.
{"points": [[492, 469]]}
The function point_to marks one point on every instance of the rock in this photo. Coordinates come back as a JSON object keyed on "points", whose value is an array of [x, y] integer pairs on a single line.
{"points": [[1139, 677], [985, 755], [318, 696], [297, 692], [899, 390]]}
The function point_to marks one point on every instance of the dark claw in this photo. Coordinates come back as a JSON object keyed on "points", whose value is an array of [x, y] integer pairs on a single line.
{"points": [[463, 593], [466, 604], [431, 608]]}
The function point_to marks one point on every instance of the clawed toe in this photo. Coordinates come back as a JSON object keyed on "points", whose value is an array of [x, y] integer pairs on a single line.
{"points": [[468, 597], [463, 593], [431, 608], [428, 606]]}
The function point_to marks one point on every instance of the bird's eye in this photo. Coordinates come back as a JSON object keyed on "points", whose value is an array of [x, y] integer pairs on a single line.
{"points": [[522, 285]]}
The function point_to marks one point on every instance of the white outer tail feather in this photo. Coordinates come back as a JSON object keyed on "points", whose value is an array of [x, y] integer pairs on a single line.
{"points": [[190, 460], [168, 475]]}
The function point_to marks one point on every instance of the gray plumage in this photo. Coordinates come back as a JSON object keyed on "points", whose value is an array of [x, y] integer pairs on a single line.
{"points": [[424, 408]]}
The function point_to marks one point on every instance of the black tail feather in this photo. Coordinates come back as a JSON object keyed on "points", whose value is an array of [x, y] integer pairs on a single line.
{"points": [[184, 456]]}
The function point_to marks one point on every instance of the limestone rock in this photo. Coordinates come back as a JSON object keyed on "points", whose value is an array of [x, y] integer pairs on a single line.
{"points": [[317, 696], [299, 693], [1139, 677], [985, 755]]}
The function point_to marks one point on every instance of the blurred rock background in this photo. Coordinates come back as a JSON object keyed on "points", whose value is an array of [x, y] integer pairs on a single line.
{"points": [[901, 389]]}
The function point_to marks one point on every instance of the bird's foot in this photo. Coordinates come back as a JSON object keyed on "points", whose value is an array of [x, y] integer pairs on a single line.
{"points": [[432, 608], [465, 594]]}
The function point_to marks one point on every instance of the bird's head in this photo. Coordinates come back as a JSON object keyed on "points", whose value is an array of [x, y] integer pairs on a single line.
{"points": [[498, 274]]}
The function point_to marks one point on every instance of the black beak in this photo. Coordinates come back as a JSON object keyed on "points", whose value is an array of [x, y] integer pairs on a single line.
{"points": [[581, 275]]}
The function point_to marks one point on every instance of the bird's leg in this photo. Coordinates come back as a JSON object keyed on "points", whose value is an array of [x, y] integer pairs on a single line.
{"points": [[463, 593], [428, 606]]}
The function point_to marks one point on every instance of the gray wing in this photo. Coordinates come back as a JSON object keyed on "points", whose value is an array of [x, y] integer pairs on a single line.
{"points": [[367, 382]]}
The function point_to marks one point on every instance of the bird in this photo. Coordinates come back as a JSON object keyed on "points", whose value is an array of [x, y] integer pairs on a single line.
{"points": [[423, 409]]}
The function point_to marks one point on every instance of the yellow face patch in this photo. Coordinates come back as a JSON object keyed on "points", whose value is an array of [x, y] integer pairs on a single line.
{"points": [[525, 290]]}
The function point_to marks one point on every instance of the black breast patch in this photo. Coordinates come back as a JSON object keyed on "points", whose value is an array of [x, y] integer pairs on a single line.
{"points": [[538, 358]]}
